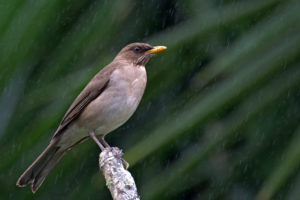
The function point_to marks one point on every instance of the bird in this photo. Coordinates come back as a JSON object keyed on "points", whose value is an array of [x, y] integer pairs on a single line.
{"points": [[107, 102]]}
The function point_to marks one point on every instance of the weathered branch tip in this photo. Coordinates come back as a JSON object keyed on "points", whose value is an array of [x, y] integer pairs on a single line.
{"points": [[118, 180]]}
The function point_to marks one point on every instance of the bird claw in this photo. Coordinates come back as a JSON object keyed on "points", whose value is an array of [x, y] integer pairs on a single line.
{"points": [[125, 163], [119, 154]]}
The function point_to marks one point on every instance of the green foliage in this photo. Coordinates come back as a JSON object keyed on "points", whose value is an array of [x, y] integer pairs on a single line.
{"points": [[220, 115]]}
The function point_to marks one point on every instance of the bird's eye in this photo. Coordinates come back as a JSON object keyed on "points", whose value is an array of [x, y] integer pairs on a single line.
{"points": [[137, 49]]}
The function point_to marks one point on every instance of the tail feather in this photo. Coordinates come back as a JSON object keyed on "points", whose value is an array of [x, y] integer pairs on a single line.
{"points": [[40, 168]]}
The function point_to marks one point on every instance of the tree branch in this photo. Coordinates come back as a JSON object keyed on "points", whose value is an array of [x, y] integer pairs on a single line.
{"points": [[118, 180]]}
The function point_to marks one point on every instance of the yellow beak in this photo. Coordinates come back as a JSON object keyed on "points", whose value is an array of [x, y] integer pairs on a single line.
{"points": [[157, 49]]}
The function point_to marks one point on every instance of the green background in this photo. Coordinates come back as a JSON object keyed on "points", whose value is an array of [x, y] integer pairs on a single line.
{"points": [[220, 115]]}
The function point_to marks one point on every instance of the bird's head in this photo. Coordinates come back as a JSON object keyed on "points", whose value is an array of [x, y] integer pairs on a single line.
{"points": [[138, 53]]}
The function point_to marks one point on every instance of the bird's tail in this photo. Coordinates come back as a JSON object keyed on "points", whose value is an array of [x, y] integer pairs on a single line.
{"points": [[39, 169]]}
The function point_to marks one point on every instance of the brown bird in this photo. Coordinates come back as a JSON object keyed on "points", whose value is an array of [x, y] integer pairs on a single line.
{"points": [[107, 102]]}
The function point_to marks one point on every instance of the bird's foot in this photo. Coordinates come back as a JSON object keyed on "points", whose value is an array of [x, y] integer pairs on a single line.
{"points": [[119, 155], [125, 163]]}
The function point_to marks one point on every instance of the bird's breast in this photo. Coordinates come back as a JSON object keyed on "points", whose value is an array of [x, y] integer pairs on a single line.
{"points": [[127, 88], [118, 101]]}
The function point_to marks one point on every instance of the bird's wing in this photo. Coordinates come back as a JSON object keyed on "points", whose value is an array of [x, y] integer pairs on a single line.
{"points": [[94, 88]]}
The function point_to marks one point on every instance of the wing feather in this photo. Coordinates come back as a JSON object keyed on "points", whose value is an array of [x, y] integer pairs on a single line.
{"points": [[93, 89]]}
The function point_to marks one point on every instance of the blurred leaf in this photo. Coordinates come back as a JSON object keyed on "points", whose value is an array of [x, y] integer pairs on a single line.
{"points": [[287, 165], [219, 116]]}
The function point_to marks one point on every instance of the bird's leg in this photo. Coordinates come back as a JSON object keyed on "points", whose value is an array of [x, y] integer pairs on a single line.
{"points": [[102, 140], [92, 134]]}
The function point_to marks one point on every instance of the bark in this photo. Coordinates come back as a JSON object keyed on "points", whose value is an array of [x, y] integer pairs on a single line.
{"points": [[118, 179]]}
